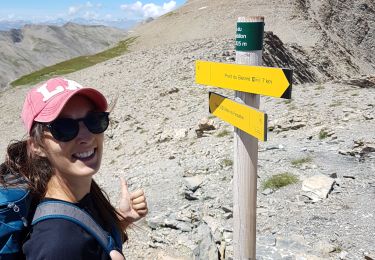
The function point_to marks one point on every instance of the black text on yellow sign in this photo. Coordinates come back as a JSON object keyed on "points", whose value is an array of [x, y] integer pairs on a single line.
{"points": [[248, 119], [273, 82]]}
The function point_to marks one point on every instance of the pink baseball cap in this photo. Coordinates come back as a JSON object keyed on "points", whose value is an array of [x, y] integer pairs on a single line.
{"points": [[44, 102]]}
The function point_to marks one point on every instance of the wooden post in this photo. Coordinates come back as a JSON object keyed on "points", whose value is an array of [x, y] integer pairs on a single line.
{"points": [[246, 149]]}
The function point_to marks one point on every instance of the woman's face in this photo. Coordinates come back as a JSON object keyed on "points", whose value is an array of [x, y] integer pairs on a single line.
{"points": [[80, 157]]}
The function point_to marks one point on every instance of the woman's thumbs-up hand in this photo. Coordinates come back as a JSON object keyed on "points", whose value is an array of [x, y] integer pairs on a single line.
{"points": [[133, 205]]}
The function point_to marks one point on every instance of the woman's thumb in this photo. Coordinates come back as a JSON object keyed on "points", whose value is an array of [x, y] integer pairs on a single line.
{"points": [[124, 187]]}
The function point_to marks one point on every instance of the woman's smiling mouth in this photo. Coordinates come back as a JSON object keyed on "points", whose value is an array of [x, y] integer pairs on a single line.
{"points": [[85, 156]]}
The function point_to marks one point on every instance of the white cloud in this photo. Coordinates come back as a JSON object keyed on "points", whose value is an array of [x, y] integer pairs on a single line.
{"points": [[140, 10], [73, 10], [169, 6], [84, 9], [136, 7], [8, 17], [90, 15]]}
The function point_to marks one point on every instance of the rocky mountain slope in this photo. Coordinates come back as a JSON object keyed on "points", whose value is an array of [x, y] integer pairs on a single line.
{"points": [[324, 133], [335, 37], [36, 46]]}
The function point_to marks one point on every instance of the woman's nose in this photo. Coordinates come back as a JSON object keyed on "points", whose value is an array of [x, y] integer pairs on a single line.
{"points": [[84, 134]]}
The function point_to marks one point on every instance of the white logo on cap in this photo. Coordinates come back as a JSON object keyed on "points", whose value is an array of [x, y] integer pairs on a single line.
{"points": [[72, 85]]}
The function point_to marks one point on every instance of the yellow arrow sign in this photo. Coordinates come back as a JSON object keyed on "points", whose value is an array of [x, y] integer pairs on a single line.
{"points": [[273, 82], [246, 118]]}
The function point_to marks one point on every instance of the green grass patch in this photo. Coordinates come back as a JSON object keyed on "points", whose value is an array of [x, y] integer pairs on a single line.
{"points": [[298, 162], [291, 106], [319, 87], [287, 101], [323, 134], [227, 162], [169, 14], [336, 103], [223, 133], [74, 64], [279, 180], [337, 249]]}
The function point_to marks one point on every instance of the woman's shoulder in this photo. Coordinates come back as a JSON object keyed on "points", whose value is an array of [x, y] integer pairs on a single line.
{"points": [[59, 228], [60, 239]]}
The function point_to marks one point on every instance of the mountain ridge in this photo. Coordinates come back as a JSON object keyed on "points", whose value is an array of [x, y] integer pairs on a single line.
{"points": [[36, 46], [323, 31]]}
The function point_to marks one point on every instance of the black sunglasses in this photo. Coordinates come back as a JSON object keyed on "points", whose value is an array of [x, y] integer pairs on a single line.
{"points": [[66, 129]]}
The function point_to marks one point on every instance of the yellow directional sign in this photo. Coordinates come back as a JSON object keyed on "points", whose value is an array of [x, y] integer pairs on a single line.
{"points": [[273, 82], [248, 119]]}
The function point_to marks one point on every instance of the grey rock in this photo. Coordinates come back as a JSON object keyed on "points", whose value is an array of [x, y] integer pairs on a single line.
{"points": [[169, 134], [155, 222], [368, 116], [369, 255], [189, 195], [317, 187], [171, 222], [227, 209], [325, 247], [267, 191], [207, 249], [228, 215], [266, 240], [275, 147], [227, 236], [170, 91], [206, 124], [184, 226], [194, 182], [343, 255], [180, 134], [333, 175]]}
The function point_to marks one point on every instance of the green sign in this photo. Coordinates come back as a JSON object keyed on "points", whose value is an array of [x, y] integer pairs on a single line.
{"points": [[249, 36]]}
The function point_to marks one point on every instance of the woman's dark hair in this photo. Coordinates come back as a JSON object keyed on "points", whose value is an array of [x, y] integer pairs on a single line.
{"points": [[24, 168], [21, 167]]}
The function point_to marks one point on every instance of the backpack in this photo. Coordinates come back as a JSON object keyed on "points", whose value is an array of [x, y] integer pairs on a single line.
{"points": [[15, 213], [14, 208]]}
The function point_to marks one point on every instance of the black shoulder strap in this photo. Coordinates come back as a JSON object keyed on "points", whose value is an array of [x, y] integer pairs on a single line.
{"points": [[65, 210]]}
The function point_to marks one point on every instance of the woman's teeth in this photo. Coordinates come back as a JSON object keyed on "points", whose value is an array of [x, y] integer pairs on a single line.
{"points": [[84, 155]]}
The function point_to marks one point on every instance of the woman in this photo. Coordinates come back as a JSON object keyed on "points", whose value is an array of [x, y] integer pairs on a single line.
{"points": [[66, 125]]}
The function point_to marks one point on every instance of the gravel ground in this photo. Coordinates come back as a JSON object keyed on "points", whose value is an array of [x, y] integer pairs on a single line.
{"points": [[153, 143]]}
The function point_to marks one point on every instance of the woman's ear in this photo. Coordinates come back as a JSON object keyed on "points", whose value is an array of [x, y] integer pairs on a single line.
{"points": [[34, 148]]}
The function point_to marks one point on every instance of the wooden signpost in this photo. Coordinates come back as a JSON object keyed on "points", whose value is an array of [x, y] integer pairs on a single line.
{"points": [[249, 80]]}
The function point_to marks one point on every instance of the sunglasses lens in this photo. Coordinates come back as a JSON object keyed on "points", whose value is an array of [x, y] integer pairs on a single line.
{"points": [[97, 122], [64, 129]]}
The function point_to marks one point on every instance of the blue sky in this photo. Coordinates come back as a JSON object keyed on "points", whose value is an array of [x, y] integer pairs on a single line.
{"points": [[71, 9]]}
